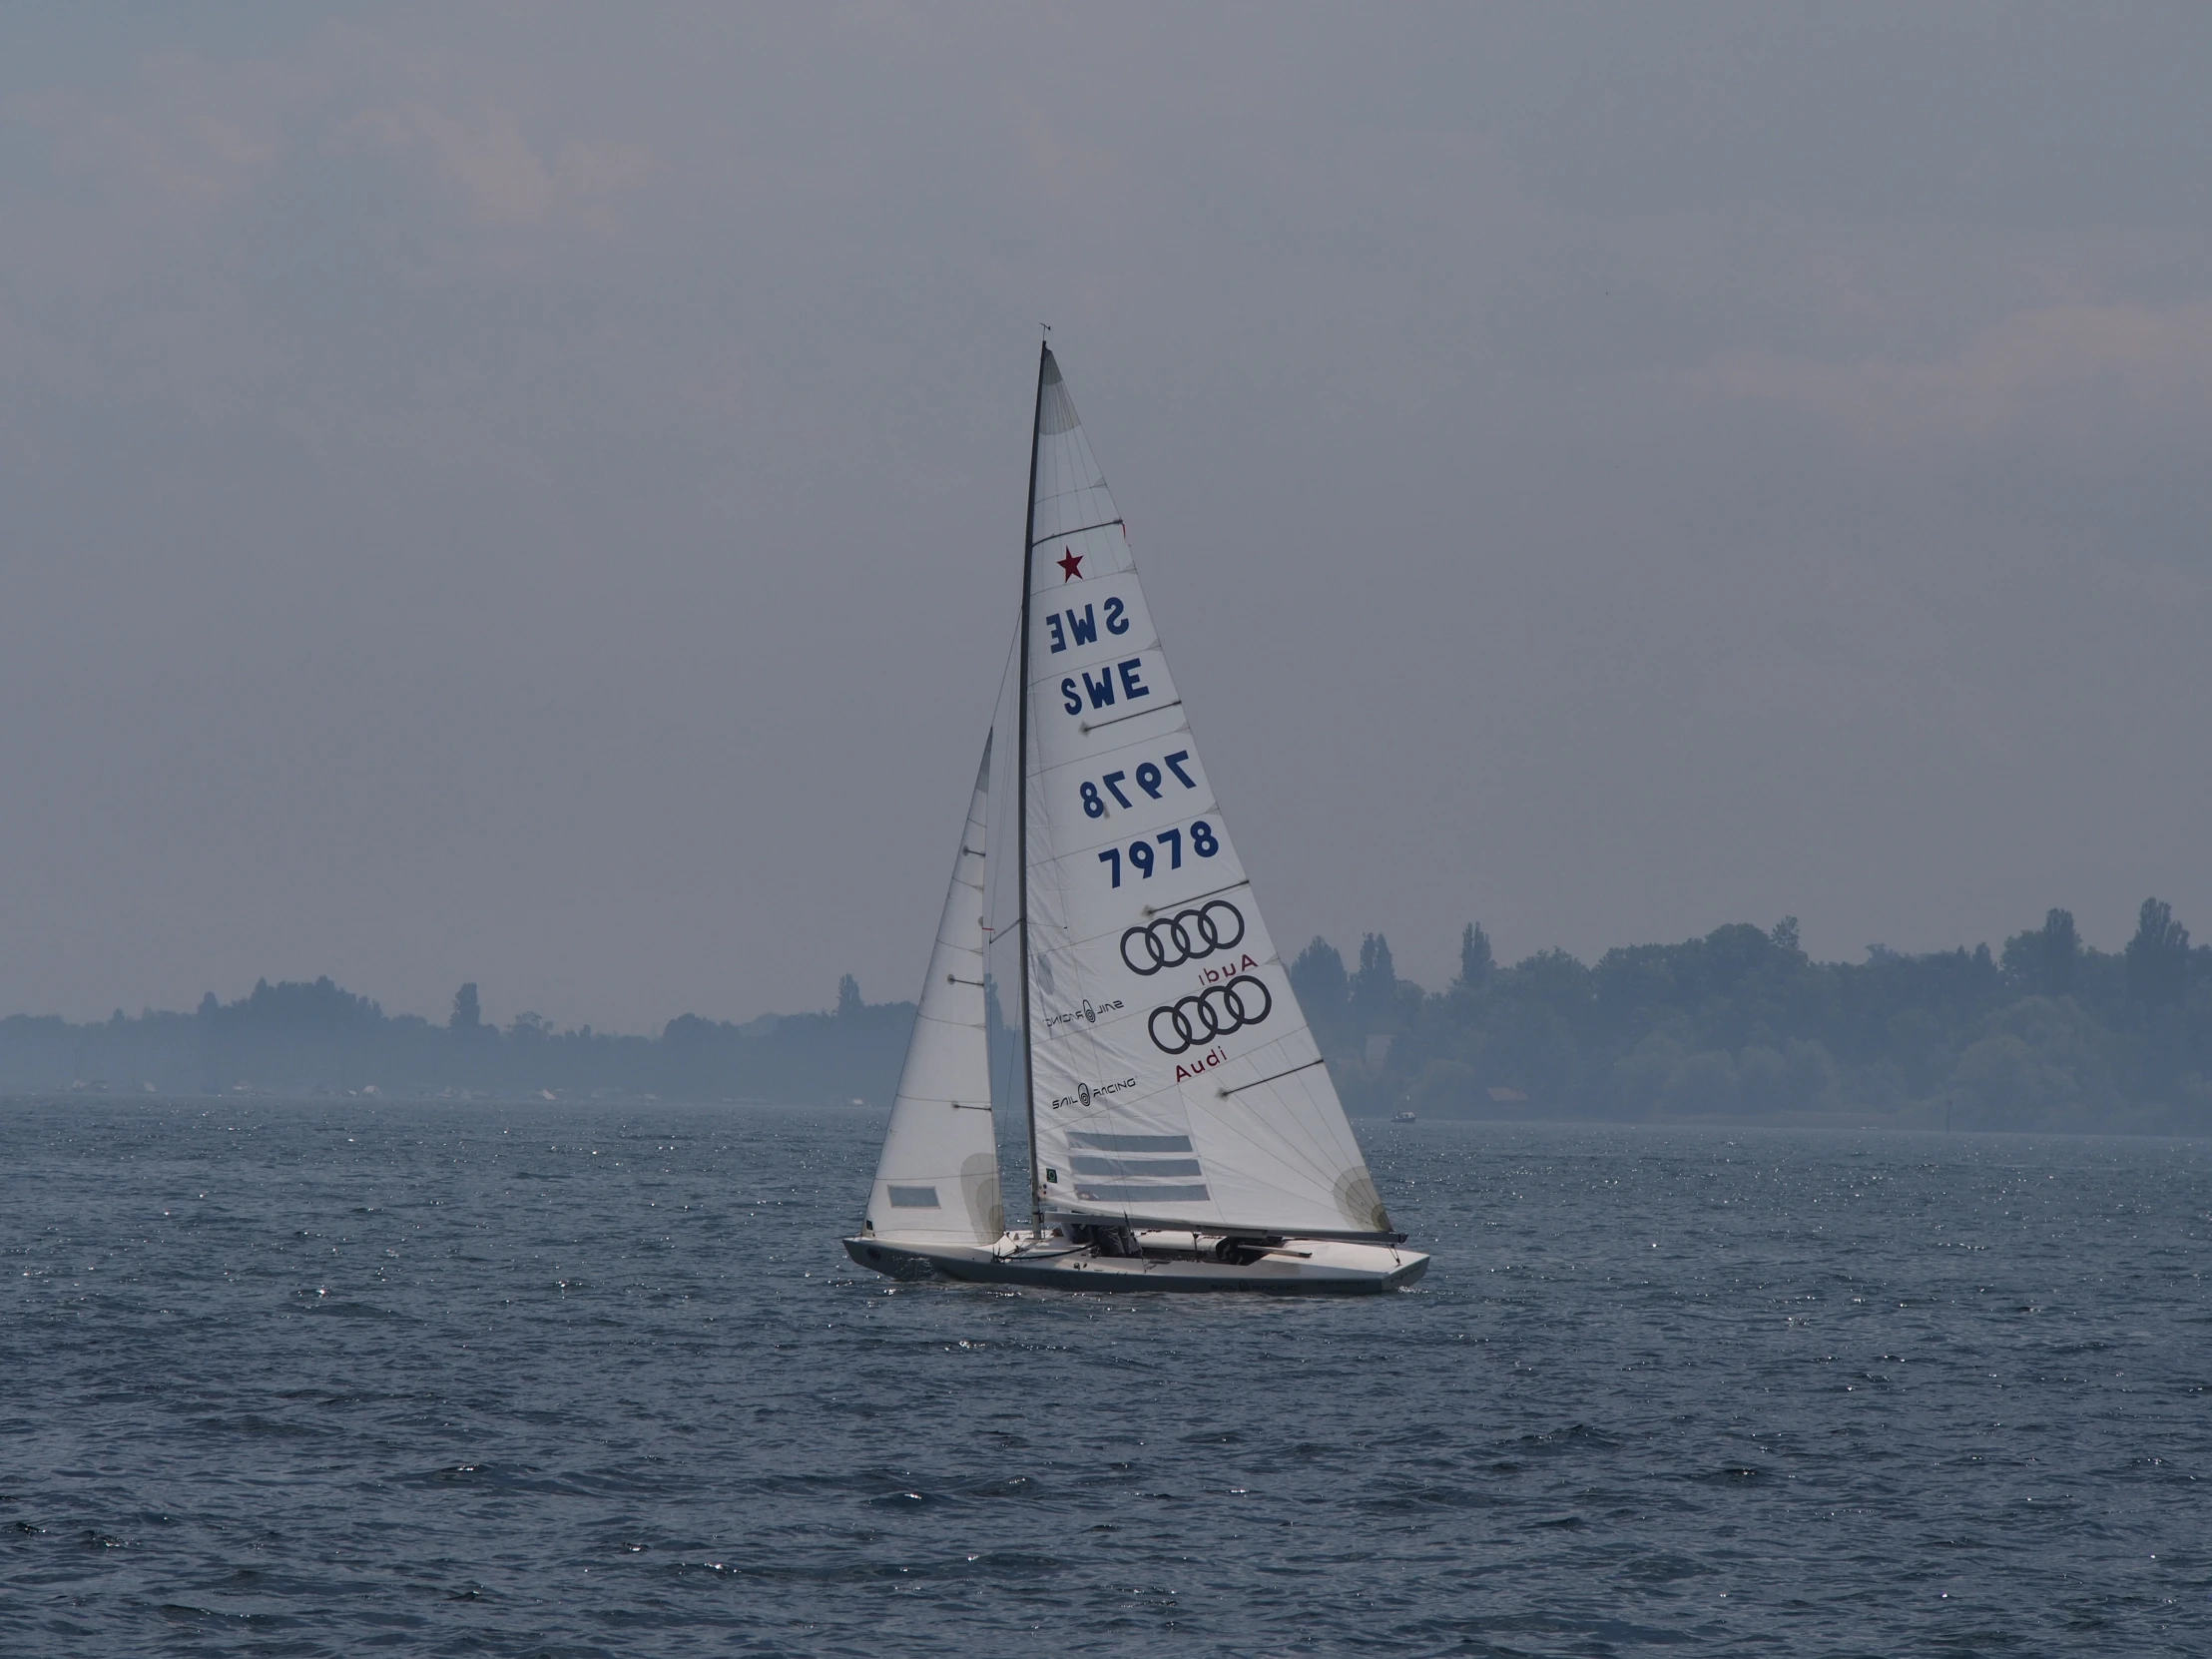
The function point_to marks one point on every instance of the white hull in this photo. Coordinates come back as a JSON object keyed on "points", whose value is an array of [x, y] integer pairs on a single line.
{"points": [[1298, 1267]]}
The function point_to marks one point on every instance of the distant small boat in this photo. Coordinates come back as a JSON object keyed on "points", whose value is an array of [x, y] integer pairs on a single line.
{"points": [[1184, 1133], [1403, 1117]]}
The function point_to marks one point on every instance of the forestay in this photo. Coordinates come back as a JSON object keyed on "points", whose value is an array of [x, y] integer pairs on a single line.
{"points": [[1175, 1078], [938, 1178]]}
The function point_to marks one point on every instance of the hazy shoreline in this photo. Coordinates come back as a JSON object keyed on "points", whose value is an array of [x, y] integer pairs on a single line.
{"points": [[1740, 1026]]}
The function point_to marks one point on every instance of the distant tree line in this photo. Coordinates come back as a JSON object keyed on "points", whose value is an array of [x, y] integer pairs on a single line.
{"points": [[1742, 1025], [1738, 1025], [319, 1038]]}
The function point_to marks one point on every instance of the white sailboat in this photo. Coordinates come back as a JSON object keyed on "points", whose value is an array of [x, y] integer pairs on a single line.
{"points": [[1184, 1133]]}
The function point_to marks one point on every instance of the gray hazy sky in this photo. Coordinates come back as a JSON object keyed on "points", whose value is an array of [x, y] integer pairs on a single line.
{"points": [[532, 495]]}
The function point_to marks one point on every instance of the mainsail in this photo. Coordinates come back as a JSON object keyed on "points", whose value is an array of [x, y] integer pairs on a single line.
{"points": [[938, 1178], [1174, 1081]]}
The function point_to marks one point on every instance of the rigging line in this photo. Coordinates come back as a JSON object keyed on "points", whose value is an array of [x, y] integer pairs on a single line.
{"points": [[1256, 1081], [955, 979], [1100, 725], [999, 1036], [1065, 535]]}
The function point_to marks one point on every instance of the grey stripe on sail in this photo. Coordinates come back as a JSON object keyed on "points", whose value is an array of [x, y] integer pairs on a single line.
{"points": [[1129, 1143], [1141, 1195], [913, 1198], [1155, 1167]]}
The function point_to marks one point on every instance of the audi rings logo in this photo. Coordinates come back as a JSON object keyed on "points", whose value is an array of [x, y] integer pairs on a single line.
{"points": [[1214, 1012], [1170, 942]]}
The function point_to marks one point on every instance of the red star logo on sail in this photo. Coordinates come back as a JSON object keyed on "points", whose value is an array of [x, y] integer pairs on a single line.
{"points": [[1071, 563]]}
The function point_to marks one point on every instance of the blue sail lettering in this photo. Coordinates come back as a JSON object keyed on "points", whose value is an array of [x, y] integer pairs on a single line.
{"points": [[1131, 687], [1052, 621], [1084, 627], [1116, 623], [1101, 689], [1067, 690]]}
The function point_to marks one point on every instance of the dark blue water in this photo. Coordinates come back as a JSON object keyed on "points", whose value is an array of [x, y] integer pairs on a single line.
{"points": [[314, 1380]]}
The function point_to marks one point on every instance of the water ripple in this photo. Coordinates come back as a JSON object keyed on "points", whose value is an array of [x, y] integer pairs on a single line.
{"points": [[496, 1380]]}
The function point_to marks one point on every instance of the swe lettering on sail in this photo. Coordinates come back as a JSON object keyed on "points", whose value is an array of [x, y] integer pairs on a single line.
{"points": [[1099, 688], [1081, 628]]}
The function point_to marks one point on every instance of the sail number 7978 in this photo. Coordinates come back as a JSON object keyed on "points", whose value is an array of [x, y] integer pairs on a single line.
{"points": [[1144, 861], [1149, 778]]}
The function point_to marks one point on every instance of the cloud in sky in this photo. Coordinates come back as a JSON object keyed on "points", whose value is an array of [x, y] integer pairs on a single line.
{"points": [[2123, 379], [530, 495]]}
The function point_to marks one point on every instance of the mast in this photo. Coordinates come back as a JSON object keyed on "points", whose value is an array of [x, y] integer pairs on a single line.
{"points": [[1021, 806]]}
